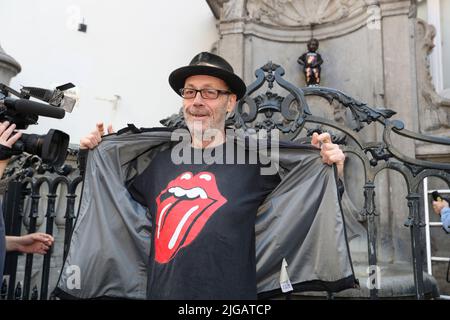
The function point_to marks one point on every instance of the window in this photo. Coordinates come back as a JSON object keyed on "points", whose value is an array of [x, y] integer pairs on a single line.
{"points": [[437, 13]]}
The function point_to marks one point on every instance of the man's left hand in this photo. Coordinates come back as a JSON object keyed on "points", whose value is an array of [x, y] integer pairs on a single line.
{"points": [[330, 152]]}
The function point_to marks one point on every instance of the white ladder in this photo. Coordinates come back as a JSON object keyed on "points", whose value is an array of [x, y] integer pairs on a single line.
{"points": [[428, 225]]}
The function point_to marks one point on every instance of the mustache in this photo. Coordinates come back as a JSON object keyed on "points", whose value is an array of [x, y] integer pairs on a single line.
{"points": [[194, 111]]}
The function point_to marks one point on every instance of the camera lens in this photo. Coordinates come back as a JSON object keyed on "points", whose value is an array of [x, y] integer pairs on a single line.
{"points": [[51, 147]]}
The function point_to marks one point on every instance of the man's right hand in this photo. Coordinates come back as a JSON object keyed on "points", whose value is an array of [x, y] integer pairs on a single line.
{"points": [[93, 139]]}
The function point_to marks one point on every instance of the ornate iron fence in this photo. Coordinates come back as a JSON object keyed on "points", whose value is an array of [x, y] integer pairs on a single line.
{"points": [[33, 186]]}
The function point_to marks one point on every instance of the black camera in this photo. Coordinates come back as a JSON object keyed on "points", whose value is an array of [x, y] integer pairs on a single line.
{"points": [[438, 197], [50, 147]]}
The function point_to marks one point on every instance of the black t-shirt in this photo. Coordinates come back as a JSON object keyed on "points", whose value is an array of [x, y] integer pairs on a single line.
{"points": [[203, 225]]}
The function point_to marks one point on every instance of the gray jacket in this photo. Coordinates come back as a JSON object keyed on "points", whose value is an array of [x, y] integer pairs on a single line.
{"points": [[300, 222]]}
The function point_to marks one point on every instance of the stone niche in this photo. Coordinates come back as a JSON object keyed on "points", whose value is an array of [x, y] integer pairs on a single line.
{"points": [[376, 52]]}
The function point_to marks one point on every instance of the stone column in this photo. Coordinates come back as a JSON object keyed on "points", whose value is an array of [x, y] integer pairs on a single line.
{"points": [[9, 67]]}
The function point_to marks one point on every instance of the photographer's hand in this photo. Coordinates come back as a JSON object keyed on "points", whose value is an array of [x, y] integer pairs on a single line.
{"points": [[439, 205], [7, 140], [93, 139], [31, 243]]}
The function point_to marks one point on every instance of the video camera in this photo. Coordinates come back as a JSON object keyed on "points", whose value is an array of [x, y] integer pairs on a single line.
{"points": [[50, 147]]}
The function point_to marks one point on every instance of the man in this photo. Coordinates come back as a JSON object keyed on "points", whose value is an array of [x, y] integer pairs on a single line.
{"points": [[31, 243], [443, 210], [202, 214]]}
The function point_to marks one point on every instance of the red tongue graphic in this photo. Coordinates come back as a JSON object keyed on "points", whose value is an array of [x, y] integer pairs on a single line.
{"points": [[179, 219]]}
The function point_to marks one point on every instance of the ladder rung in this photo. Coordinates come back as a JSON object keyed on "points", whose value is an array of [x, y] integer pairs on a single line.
{"points": [[440, 259], [440, 191], [435, 224]]}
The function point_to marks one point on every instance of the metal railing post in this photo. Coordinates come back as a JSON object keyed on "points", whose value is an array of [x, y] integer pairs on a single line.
{"points": [[13, 224]]}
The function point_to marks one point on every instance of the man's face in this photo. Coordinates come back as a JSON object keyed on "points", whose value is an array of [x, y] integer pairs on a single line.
{"points": [[203, 114]]}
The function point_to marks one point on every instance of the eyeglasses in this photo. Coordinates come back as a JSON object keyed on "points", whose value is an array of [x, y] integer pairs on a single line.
{"points": [[190, 93]]}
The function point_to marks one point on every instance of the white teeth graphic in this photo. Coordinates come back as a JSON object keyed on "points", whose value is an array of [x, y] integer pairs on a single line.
{"points": [[190, 193], [186, 176], [205, 176]]}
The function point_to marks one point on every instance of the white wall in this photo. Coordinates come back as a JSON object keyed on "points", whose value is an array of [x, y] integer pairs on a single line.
{"points": [[129, 50]]}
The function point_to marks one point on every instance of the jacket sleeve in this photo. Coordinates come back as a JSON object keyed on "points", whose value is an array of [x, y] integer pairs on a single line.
{"points": [[82, 159], [445, 218]]}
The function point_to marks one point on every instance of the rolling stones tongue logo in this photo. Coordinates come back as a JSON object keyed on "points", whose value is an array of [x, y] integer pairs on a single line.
{"points": [[183, 208]]}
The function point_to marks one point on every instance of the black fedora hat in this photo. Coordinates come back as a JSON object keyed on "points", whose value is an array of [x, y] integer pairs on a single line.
{"points": [[209, 64]]}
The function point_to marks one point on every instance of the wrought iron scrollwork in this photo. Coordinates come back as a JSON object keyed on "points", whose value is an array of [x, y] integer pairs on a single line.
{"points": [[269, 68], [379, 152], [175, 121], [270, 103], [369, 208], [361, 112]]}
